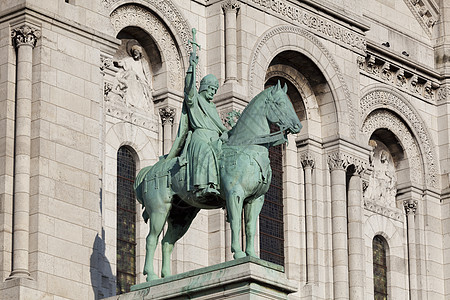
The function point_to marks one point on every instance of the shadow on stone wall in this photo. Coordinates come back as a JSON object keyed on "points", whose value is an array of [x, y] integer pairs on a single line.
{"points": [[102, 279]]}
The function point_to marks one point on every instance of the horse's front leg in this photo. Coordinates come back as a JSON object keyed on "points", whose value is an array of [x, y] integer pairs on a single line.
{"points": [[251, 213], [234, 210]]}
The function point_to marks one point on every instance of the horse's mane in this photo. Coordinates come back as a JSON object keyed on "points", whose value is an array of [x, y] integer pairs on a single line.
{"points": [[261, 95]]}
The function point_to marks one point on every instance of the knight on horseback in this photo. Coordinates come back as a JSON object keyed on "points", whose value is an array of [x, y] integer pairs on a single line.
{"points": [[199, 131]]}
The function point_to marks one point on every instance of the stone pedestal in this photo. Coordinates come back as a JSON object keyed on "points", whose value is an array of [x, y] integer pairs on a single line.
{"points": [[245, 278]]}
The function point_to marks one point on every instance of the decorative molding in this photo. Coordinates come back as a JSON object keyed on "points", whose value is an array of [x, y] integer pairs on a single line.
{"points": [[131, 116], [25, 35], [105, 63], [307, 160], [424, 16], [407, 80], [339, 160], [306, 34], [388, 120], [410, 207], [391, 213], [314, 22], [170, 12], [132, 15], [231, 5], [443, 93], [381, 98], [167, 115], [107, 87]]}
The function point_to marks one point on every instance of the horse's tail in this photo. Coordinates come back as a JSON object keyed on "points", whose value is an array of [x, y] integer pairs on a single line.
{"points": [[138, 190]]}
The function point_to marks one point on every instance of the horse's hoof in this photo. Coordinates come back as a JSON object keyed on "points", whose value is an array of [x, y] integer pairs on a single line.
{"points": [[152, 277], [239, 254], [252, 254]]}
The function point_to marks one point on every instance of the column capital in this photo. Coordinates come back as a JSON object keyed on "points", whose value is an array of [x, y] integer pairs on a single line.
{"points": [[307, 160], [341, 160], [230, 6], [25, 35], [167, 115], [410, 206]]}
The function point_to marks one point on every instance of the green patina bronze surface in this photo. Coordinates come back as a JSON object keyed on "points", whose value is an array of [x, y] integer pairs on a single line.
{"points": [[209, 167]]}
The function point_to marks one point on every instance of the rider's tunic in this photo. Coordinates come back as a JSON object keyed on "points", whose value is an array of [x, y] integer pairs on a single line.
{"points": [[206, 125]]}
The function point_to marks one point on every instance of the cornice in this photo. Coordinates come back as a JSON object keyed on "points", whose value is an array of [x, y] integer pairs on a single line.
{"points": [[38, 15]]}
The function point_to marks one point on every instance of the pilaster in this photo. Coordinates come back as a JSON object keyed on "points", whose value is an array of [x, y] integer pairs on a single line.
{"points": [[24, 39]]}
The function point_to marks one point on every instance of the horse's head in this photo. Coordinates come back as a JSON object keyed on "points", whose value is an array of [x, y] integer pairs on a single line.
{"points": [[281, 111]]}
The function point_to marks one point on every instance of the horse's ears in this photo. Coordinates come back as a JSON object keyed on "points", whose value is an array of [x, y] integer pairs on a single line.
{"points": [[285, 88], [278, 85]]}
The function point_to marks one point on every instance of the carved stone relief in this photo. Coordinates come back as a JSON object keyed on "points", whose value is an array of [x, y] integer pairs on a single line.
{"points": [[131, 15], [341, 160], [386, 119], [133, 81], [405, 79], [382, 187], [171, 13], [287, 29], [314, 22], [426, 17], [381, 98]]}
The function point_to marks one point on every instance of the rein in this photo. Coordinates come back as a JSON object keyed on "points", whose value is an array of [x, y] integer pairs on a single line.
{"points": [[272, 139]]}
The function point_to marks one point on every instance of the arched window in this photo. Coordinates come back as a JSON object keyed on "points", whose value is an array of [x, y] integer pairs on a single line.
{"points": [[271, 226], [126, 221], [379, 268]]}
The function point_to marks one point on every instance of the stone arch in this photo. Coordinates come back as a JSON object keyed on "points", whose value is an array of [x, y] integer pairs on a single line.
{"points": [[393, 233], [286, 37], [388, 120], [143, 146], [157, 26], [376, 98], [299, 81]]}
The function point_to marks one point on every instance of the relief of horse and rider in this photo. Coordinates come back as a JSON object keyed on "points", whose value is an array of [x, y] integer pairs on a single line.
{"points": [[212, 167]]}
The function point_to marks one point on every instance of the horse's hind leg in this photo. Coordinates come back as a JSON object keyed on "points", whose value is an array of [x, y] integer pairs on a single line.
{"points": [[178, 223], [234, 211], [251, 213], [157, 220]]}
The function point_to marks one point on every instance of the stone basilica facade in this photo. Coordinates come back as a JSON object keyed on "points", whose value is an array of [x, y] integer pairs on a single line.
{"points": [[91, 91]]}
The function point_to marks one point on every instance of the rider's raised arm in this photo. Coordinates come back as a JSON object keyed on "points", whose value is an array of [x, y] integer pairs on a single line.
{"points": [[189, 84]]}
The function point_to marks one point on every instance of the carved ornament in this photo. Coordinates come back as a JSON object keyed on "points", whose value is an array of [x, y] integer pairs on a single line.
{"points": [[410, 206], [392, 213], [105, 63], [443, 93], [390, 121], [170, 12], [404, 79], [167, 115], [339, 160], [131, 15], [231, 6], [127, 115], [313, 22], [307, 160], [25, 35], [306, 34], [425, 17]]}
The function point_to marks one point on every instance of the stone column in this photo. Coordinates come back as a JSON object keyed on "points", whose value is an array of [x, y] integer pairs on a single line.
{"points": [[410, 210], [24, 39], [337, 165], [308, 166], [355, 236], [230, 8], [167, 115]]}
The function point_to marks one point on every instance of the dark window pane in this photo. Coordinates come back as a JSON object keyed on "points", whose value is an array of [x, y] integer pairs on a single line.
{"points": [[126, 221], [379, 268], [271, 217]]}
